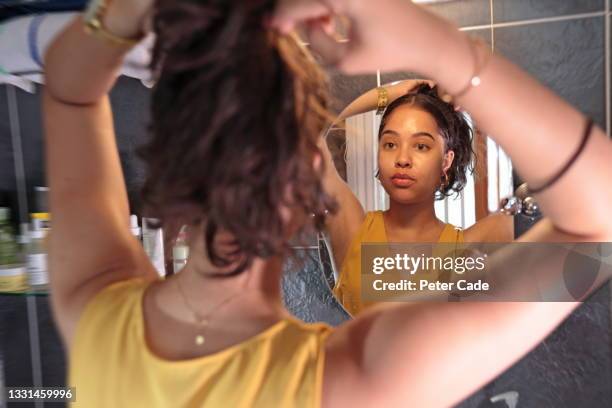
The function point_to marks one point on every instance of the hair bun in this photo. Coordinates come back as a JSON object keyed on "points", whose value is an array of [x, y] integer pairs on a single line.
{"points": [[424, 88]]}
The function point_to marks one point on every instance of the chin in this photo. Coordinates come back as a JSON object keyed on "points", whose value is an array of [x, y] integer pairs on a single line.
{"points": [[405, 196], [401, 197]]}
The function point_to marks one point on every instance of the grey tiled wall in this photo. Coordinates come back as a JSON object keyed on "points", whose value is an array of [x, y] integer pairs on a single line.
{"points": [[517, 10], [8, 180], [568, 57]]}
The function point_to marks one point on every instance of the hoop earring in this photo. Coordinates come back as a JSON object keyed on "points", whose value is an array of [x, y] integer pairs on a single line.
{"points": [[444, 183]]}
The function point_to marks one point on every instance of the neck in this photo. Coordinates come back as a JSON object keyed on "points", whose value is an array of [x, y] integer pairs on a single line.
{"points": [[258, 287], [418, 216]]}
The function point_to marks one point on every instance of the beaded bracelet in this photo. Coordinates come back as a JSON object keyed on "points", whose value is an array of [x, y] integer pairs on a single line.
{"points": [[479, 66]]}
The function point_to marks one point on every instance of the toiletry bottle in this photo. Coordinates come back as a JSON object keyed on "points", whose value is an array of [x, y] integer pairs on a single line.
{"points": [[41, 221], [153, 243], [134, 227], [13, 276], [8, 244], [180, 251], [37, 260], [41, 199]]}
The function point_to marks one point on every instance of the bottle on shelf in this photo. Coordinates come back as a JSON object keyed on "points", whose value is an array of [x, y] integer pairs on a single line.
{"points": [[153, 243], [13, 276], [38, 274], [41, 199], [8, 243], [41, 221], [134, 227], [180, 250]]}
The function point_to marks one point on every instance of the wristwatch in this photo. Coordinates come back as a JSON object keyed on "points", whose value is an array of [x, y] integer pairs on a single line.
{"points": [[383, 100], [93, 17]]}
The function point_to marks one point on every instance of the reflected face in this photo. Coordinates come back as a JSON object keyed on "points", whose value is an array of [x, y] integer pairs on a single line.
{"points": [[411, 155]]}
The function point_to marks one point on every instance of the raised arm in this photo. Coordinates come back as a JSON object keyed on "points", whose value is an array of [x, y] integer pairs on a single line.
{"points": [[343, 225], [91, 245], [369, 100], [436, 354]]}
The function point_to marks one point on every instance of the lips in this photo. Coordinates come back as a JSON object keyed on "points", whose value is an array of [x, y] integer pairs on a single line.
{"points": [[402, 180]]}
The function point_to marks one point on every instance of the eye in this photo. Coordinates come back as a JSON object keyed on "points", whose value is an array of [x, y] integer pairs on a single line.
{"points": [[422, 147], [388, 145]]}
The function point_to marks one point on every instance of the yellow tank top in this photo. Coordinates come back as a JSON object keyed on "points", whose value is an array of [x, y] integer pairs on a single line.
{"points": [[348, 287], [111, 366]]}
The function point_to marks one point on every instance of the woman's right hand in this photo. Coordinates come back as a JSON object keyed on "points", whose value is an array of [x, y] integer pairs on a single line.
{"points": [[389, 35]]}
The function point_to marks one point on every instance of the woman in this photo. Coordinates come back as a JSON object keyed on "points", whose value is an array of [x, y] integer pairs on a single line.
{"points": [[424, 154], [201, 339]]}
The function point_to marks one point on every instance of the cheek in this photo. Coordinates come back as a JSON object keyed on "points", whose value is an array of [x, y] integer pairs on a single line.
{"points": [[432, 169], [385, 161]]}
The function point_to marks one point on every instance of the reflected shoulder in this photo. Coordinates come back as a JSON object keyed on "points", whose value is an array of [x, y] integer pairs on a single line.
{"points": [[493, 228]]}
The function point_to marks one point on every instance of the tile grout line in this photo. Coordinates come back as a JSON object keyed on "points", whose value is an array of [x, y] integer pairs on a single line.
{"points": [[536, 21], [492, 22], [2, 382], [519, 23], [11, 94], [607, 65], [607, 102], [34, 344], [22, 197]]}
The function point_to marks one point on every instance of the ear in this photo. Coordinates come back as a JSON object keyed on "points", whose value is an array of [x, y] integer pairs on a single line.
{"points": [[317, 161], [447, 162]]}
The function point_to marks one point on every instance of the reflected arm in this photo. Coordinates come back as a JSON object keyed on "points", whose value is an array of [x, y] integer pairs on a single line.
{"points": [[369, 100]]}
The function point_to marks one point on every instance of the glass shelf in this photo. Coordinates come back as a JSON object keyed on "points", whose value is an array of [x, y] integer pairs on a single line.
{"points": [[28, 292]]}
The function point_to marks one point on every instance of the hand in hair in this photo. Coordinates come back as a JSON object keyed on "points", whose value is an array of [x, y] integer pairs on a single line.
{"points": [[377, 31]]}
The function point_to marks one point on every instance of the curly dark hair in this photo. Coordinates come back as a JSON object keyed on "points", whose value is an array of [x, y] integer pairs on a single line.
{"points": [[454, 128], [236, 114]]}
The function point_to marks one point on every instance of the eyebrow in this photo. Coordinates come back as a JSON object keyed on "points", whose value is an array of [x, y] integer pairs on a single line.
{"points": [[417, 134]]}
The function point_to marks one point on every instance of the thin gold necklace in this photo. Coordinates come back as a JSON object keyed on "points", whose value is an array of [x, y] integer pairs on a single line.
{"points": [[202, 320]]}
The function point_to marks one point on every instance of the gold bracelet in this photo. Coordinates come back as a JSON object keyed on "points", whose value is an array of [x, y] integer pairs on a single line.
{"points": [[93, 25], [475, 80], [383, 100], [100, 32]]}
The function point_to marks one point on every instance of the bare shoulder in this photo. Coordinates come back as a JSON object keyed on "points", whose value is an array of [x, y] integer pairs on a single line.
{"points": [[345, 382], [493, 228], [365, 357]]}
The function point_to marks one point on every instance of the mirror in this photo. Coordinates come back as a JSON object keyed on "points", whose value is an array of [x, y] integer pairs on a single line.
{"points": [[353, 143], [386, 147]]}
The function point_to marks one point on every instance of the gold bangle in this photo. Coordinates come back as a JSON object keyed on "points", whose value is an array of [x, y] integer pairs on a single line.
{"points": [[475, 80], [96, 29], [93, 25], [383, 100]]}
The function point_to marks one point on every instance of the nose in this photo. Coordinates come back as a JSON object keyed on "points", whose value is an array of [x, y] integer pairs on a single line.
{"points": [[403, 159]]}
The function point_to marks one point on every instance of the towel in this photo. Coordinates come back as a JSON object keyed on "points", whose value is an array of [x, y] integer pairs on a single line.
{"points": [[24, 40], [14, 8]]}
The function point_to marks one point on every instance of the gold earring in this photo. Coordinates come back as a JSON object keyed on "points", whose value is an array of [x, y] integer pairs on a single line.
{"points": [[445, 181]]}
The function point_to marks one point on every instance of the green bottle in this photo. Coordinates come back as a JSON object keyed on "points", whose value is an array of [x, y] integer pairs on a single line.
{"points": [[9, 250]]}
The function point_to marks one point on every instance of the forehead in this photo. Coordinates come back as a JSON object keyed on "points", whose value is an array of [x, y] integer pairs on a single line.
{"points": [[407, 119]]}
